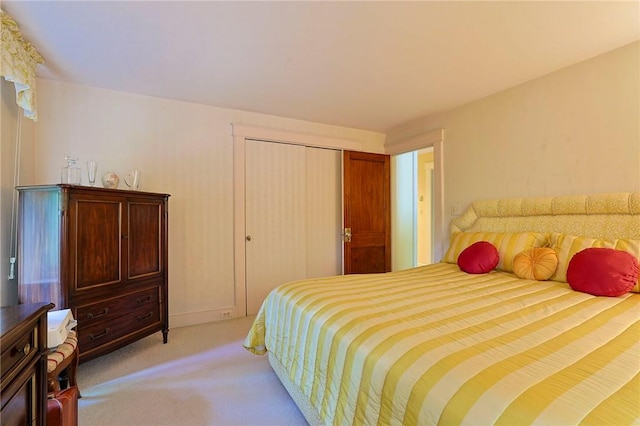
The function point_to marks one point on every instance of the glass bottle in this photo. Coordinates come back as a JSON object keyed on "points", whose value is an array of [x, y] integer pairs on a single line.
{"points": [[71, 172]]}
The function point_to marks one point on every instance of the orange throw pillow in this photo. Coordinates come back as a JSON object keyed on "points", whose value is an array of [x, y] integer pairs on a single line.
{"points": [[535, 264]]}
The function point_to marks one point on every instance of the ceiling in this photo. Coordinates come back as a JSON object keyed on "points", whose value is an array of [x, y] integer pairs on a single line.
{"points": [[366, 65]]}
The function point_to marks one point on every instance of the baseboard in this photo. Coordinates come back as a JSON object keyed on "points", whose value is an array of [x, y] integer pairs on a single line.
{"points": [[194, 318]]}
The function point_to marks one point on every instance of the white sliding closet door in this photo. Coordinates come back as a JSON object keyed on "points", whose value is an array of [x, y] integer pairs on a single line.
{"points": [[293, 216], [275, 218]]}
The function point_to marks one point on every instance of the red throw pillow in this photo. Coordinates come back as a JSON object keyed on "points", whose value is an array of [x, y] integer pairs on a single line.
{"points": [[602, 271], [479, 258]]}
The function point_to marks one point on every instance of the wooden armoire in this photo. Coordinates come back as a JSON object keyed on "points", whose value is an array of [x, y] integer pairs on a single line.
{"points": [[101, 253]]}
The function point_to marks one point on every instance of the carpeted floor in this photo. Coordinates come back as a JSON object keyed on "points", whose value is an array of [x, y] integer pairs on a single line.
{"points": [[202, 376]]}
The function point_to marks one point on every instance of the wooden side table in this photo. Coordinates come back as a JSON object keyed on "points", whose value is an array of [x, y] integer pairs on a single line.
{"points": [[24, 349]]}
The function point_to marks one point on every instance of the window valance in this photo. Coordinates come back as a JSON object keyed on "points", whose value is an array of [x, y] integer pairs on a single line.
{"points": [[18, 65]]}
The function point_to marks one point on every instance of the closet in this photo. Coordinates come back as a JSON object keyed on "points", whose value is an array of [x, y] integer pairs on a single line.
{"points": [[293, 211]]}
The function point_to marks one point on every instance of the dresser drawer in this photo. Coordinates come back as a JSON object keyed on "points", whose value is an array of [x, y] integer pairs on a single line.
{"points": [[19, 351], [105, 332], [107, 310], [19, 408]]}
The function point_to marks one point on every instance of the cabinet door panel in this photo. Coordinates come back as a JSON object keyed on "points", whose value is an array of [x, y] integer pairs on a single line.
{"points": [[97, 242], [144, 239]]}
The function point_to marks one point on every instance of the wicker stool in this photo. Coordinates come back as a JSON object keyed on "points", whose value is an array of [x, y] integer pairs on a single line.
{"points": [[63, 357]]}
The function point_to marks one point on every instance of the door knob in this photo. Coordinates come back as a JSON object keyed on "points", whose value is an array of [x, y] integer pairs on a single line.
{"points": [[248, 237]]}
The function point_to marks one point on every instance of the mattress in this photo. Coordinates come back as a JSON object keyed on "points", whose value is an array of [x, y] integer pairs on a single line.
{"points": [[434, 345]]}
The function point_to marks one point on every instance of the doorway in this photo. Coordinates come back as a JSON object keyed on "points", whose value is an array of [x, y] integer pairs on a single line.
{"points": [[413, 209], [425, 207], [405, 203]]}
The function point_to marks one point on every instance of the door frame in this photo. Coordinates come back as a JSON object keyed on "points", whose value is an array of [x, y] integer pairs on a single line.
{"points": [[241, 133], [433, 139]]}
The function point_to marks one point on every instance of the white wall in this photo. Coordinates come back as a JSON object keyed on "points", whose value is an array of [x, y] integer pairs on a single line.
{"points": [[183, 149], [574, 131]]}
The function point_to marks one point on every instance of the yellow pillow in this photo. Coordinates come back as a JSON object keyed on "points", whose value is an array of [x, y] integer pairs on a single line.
{"points": [[536, 264], [508, 245], [566, 246]]}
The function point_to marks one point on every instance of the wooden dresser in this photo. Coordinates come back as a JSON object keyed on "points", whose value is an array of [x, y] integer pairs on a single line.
{"points": [[100, 252], [24, 368]]}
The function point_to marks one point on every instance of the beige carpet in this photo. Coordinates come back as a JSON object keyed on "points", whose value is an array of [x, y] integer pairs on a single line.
{"points": [[202, 376]]}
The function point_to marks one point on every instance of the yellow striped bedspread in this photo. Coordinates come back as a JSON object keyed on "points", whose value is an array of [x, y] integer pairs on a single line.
{"points": [[433, 345]]}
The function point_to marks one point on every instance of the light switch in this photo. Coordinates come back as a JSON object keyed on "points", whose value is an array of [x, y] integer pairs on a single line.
{"points": [[456, 210]]}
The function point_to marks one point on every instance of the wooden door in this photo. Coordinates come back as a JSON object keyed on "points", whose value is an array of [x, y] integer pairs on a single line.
{"points": [[367, 213]]}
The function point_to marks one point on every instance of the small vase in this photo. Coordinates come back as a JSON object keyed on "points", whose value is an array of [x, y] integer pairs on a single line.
{"points": [[110, 180]]}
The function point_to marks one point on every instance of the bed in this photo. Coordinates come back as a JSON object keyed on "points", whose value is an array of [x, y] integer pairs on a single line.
{"points": [[437, 345]]}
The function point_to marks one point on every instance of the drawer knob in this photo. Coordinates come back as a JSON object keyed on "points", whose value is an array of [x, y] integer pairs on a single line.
{"points": [[98, 336], [142, 300], [104, 312], [25, 349], [145, 317]]}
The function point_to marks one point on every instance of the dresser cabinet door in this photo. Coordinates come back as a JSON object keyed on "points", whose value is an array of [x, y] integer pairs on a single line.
{"points": [[95, 238], [144, 239]]}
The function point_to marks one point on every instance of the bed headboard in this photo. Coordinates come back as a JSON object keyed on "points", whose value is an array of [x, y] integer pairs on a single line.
{"points": [[614, 215]]}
